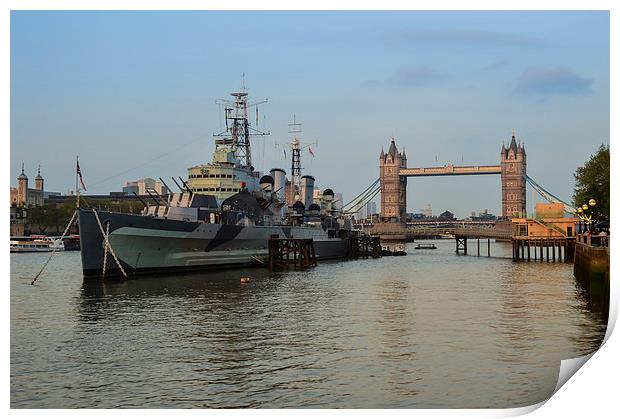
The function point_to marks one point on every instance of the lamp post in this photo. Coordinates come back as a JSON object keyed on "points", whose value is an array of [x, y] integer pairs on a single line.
{"points": [[583, 215]]}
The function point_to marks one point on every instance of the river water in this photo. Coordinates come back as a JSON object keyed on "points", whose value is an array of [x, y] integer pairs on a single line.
{"points": [[430, 329]]}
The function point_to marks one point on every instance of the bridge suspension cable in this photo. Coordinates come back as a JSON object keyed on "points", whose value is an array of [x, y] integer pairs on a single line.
{"points": [[363, 198], [360, 204], [548, 195]]}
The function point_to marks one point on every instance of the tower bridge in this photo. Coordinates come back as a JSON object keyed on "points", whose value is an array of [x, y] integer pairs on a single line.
{"points": [[393, 174]]}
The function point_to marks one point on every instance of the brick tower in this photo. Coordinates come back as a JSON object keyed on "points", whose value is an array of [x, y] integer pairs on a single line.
{"points": [[513, 163], [22, 188], [38, 181], [393, 186]]}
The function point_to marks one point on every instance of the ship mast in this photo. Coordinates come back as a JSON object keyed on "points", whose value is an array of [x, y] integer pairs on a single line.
{"points": [[296, 148], [238, 128], [295, 128]]}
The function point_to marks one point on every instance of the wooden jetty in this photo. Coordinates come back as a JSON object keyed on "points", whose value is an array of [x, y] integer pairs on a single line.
{"points": [[364, 246], [550, 238], [501, 231], [533, 239], [298, 253], [548, 249]]}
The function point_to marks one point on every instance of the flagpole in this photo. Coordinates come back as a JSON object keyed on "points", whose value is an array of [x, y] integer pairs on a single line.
{"points": [[77, 189]]}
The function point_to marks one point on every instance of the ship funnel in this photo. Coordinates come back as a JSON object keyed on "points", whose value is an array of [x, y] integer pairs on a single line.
{"points": [[279, 182], [307, 190], [266, 183], [328, 195]]}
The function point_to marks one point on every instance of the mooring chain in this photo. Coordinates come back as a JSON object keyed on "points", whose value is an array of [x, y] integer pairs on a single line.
{"points": [[55, 249], [107, 243]]}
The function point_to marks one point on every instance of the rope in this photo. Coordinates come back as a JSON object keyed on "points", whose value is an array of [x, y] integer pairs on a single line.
{"points": [[107, 243], [105, 250], [55, 249]]}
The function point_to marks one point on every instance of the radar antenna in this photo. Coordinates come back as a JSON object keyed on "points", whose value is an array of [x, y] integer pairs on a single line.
{"points": [[296, 148], [238, 128]]}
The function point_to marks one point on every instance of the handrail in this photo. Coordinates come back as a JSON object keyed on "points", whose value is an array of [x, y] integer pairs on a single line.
{"points": [[550, 226]]}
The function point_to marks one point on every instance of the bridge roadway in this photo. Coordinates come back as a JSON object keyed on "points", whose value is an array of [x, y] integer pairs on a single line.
{"points": [[450, 170], [501, 230]]}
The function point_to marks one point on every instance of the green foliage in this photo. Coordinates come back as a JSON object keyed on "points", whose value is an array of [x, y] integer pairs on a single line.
{"points": [[52, 218], [45, 218], [131, 206], [592, 182]]}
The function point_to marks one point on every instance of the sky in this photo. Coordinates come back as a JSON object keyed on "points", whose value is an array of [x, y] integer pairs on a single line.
{"points": [[134, 94]]}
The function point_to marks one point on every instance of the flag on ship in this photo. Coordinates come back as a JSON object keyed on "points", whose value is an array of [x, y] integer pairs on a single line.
{"points": [[310, 151], [79, 173]]}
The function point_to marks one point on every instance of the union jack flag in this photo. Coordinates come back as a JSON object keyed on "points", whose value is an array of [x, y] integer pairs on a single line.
{"points": [[79, 173]]}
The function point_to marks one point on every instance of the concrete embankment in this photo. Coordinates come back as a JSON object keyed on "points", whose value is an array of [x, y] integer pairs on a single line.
{"points": [[592, 272]]}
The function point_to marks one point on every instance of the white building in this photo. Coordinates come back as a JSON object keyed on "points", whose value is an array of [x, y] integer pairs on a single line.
{"points": [[141, 185], [366, 211]]}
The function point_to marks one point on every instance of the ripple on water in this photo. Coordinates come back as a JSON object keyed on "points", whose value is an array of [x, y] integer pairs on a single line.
{"points": [[430, 329]]}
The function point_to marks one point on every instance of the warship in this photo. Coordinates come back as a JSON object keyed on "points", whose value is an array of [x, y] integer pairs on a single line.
{"points": [[223, 216]]}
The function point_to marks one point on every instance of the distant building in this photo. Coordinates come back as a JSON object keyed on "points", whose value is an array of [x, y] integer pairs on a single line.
{"points": [[47, 194], [427, 212], [366, 211], [338, 202], [446, 216], [415, 216], [22, 196], [483, 215], [140, 187]]}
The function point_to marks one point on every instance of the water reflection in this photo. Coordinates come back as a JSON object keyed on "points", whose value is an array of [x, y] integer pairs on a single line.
{"points": [[429, 329]]}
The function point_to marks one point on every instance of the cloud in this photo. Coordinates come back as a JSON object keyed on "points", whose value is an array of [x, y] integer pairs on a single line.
{"points": [[415, 76], [496, 65], [470, 38], [560, 80]]}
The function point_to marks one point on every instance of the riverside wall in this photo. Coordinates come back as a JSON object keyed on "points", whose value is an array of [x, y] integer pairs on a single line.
{"points": [[591, 270]]}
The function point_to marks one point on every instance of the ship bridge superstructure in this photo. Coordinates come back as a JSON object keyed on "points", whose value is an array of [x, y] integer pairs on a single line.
{"points": [[231, 169]]}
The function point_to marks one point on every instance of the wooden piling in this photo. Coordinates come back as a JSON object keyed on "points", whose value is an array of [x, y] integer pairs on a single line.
{"points": [[298, 253], [528, 251], [541, 250], [364, 246], [461, 244]]}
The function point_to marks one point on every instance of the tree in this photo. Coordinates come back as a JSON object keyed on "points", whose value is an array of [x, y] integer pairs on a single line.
{"points": [[592, 182]]}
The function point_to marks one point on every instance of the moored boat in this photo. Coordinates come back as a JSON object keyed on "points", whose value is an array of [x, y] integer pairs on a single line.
{"points": [[36, 244], [223, 216]]}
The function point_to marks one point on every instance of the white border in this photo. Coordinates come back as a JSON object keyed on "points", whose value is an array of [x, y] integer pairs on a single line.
{"points": [[592, 393]]}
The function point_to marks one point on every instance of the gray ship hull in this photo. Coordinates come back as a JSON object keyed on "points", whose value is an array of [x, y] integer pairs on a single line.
{"points": [[150, 245]]}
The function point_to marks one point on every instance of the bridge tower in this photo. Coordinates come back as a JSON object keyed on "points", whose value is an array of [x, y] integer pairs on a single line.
{"points": [[513, 164], [393, 186]]}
